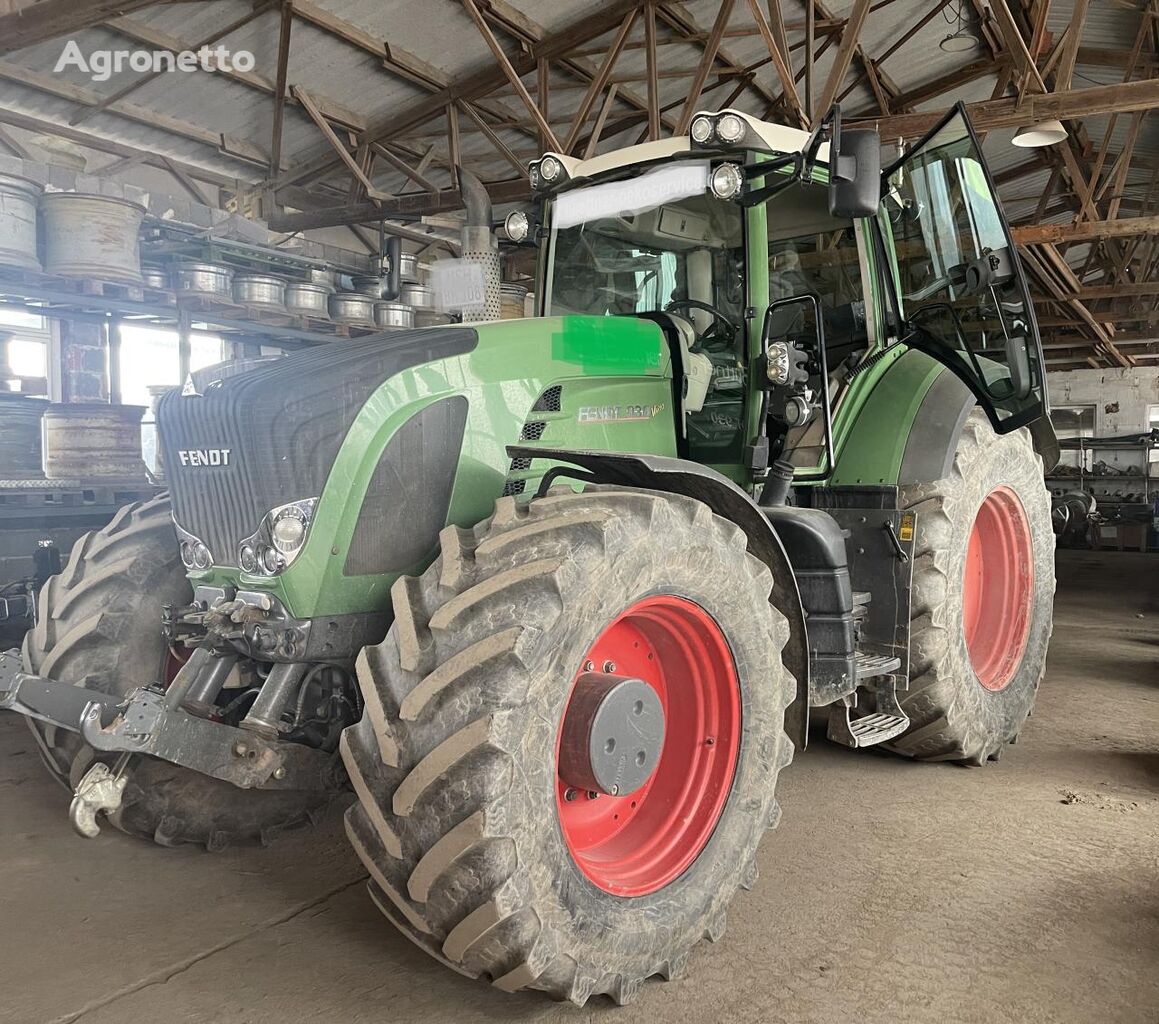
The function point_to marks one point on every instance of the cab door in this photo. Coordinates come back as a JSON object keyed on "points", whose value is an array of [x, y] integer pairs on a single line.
{"points": [[961, 290]]}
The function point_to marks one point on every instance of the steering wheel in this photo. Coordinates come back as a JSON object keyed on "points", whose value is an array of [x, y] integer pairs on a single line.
{"points": [[721, 328]]}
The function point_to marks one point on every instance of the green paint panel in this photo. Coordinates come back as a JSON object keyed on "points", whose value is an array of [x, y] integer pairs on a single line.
{"points": [[880, 427], [617, 395]]}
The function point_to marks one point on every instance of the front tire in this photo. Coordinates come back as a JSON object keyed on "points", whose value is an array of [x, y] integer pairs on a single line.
{"points": [[461, 819], [982, 600]]}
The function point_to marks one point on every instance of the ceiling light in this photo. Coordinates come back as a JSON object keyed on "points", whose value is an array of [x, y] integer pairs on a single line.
{"points": [[1046, 133]]}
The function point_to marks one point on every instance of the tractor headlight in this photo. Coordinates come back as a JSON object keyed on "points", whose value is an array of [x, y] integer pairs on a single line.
{"points": [[550, 169], [195, 553], [701, 129], [730, 129], [278, 540], [777, 363], [247, 558], [517, 226], [288, 530], [726, 182]]}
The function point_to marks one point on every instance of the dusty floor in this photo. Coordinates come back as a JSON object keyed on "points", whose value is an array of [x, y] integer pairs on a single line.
{"points": [[1026, 891]]}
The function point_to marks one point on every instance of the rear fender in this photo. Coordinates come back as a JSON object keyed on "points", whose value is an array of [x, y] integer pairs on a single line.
{"points": [[678, 476]]}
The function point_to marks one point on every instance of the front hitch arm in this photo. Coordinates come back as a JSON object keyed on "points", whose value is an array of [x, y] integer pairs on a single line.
{"points": [[143, 723]]}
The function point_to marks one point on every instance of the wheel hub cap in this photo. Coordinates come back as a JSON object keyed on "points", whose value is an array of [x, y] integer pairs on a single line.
{"points": [[612, 734]]}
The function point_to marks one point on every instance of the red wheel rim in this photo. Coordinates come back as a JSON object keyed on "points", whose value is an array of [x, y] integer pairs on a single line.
{"points": [[999, 588], [174, 658], [635, 844]]}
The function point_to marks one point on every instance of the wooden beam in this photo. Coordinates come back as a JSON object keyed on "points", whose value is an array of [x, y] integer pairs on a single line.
{"points": [[707, 59], [599, 81], [129, 155], [416, 204], [1009, 113], [33, 23], [57, 85], [779, 56], [1084, 231], [303, 97], [498, 143], [849, 40], [285, 27], [1070, 53], [653, 81], [470, 87], [14, 146], [511, 74], [402, 166], [258, 10], [601, 120], [188, 184]]}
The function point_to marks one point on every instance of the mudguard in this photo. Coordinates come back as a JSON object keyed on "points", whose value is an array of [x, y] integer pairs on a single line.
{"points": [[678, 476]]}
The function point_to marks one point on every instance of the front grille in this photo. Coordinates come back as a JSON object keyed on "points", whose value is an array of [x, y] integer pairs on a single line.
{"points": [[282, 423]]}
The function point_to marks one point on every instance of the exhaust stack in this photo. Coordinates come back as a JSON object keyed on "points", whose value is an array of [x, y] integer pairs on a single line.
{"points": [[479, 244]]}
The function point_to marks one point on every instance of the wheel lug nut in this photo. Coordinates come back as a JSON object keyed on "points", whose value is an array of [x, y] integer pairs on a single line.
{"points": [[592, 794], [609, 666], [588, 666], [615, 791], [570, 794]]}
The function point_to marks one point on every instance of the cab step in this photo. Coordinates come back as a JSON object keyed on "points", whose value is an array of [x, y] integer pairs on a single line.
{"points": [[870, 666], [885, 722]]}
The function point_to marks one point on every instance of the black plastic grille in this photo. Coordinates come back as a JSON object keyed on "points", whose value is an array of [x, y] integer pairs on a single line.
{"points": [[514, 487], [550, 400], [533, 431]]}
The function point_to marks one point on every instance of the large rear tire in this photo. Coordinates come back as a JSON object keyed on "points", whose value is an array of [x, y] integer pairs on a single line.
{"points": [[99, 626], [982, 601], [477, 848]]}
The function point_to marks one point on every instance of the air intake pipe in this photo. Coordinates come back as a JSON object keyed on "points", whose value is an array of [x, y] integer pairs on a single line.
{"points": [[479, 244]]}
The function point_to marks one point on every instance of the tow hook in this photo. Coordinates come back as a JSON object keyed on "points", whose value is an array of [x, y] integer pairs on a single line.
{"points": [[101, 789]]}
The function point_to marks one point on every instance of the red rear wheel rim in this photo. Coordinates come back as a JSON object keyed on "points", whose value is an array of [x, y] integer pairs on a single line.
{"points": [[635, 844], [999, 588]]}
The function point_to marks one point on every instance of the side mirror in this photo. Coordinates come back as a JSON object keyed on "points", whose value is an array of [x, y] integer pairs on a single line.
{"points": [[855, 174]]}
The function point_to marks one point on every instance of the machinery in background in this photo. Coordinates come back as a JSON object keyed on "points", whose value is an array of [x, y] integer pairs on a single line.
{"points": [[18, 598]]}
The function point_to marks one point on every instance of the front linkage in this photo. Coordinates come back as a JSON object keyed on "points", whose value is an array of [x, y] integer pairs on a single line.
{"points": [[151, 720]]}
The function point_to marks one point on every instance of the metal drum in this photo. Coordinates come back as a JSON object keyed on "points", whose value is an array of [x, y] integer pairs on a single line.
{"points": [[393, 316], [511, 301], [352, 308], [20, 425], [18, 199], [93, 440], [408, 268], [208, 280], [308, 299], [367, 285], [259, 290], [321, 275], [420, 296], [92, 236], [155, 277]]}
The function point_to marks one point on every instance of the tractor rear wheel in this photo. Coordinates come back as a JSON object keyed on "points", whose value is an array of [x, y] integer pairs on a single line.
{"points": [[99, 626], [982, 600], [572, 736]]}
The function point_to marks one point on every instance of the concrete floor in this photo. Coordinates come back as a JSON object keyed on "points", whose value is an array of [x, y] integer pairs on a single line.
{"points": [[1026, 891]]}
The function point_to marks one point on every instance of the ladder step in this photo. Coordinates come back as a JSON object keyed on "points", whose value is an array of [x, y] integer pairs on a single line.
{"points": [[864, 732], [871, 665]]}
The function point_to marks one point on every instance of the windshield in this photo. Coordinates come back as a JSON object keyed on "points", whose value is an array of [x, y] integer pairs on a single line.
{"points": [[637, 245]]}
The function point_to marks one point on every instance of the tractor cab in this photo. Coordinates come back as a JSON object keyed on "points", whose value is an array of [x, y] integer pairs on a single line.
{"points": [[784, 266]]}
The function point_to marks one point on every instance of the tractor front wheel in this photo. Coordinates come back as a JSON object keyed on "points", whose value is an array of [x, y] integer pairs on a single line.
{"points": [[572, 736], [982, 598]]}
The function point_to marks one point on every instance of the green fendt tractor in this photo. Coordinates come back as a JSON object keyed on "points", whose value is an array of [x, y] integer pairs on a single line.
{"points": [[556, 595]]}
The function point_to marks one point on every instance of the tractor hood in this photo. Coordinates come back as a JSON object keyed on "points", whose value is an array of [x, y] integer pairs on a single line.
{"points": [[243, 444]]}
